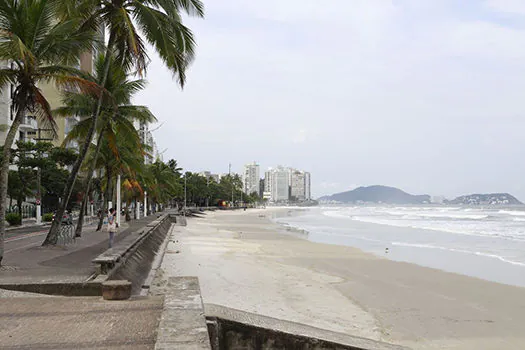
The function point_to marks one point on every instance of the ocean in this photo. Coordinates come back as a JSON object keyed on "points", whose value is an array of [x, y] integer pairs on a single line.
{"points": [[487, 243]]}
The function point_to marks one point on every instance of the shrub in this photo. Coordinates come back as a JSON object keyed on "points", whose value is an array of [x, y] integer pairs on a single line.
{"points": [[47, 217], [13, 219]]}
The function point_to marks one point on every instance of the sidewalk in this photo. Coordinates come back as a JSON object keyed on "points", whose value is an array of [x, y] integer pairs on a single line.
{"points": [[78, 323], [26, 261], [29, 223]]}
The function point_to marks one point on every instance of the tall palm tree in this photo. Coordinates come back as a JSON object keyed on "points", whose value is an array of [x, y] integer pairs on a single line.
{"points": [[38, 48], [118, 113], [126, 159], [161, 23], [165, 183]]}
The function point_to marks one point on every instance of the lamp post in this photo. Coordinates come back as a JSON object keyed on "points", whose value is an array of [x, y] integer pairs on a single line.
{"points": [[207, 191], [145, 203], [38, 198], [185, 193], [118, 199]]}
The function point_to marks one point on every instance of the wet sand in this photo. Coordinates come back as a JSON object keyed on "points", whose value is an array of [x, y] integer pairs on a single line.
{"points": [[245, 261]]}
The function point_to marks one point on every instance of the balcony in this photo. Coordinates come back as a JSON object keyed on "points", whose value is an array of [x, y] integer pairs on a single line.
{"points": [[28, 123]]}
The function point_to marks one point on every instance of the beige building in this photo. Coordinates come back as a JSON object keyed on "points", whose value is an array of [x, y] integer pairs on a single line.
{"points": [[31, 129]]}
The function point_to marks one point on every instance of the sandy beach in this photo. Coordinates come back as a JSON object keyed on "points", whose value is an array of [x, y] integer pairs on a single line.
{"points": [[247, 262]]}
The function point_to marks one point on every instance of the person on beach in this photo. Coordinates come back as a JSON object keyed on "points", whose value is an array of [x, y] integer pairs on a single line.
{"points": [[112, 226]]}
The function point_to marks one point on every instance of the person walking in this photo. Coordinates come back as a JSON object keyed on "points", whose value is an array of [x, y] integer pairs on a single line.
{"points": [[112, 225]]}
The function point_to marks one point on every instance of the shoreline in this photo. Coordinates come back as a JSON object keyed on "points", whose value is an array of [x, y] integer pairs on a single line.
{"points": [[246, 261], [475, 264]]}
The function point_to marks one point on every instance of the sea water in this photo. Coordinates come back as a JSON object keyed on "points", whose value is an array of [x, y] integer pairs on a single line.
{"points": [[483, 242]]}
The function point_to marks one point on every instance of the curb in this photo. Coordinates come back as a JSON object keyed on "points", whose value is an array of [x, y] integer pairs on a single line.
{"points": [[27, 226]]}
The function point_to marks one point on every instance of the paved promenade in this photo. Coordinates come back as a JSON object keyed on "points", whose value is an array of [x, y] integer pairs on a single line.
{"points": [[26, 261], [78, 323]]}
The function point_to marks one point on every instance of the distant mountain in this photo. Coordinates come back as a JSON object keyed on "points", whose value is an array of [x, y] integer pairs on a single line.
{"points": [[377, 194], [486, 199]]}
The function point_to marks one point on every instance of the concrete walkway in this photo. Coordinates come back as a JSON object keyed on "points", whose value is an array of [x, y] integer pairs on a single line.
{"points": [[79, 323], [26, 261]]}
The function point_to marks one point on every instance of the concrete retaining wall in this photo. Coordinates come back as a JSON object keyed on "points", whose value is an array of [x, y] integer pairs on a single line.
{"points": [[70, 289], [234, 329], [134, 263]]}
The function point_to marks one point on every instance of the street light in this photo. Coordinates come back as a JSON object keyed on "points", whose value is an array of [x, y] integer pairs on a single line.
{"points": [[38, 197], [185, 193]]}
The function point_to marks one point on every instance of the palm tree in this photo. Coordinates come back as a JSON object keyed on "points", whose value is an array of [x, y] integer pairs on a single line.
{"points": [[161, 23], [118, 113], [164, 184], [116, 161], [38, 48]]}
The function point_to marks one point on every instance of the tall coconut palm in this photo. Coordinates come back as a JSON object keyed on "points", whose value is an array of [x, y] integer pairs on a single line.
{"points": [[120, 154], [165, 184], [37, 48], [161, 23], [118, 113]]}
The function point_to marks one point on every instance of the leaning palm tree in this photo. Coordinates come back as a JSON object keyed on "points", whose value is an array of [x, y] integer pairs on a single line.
{"points": [[36, 48], [161, 23], [118, 113]]}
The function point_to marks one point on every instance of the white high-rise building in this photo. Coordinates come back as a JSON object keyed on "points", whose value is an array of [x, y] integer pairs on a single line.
{"points": [[251, 178], [297, 185], [307, 186], [283, 184], [268, 183], [27, 130], [146, 137], [280, 185]]}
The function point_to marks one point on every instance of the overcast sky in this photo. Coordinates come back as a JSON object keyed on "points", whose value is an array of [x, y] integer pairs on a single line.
{"points": [[424, 95]]}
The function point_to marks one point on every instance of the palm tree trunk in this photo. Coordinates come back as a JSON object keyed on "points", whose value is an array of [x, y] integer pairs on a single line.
{"points": [[19, 202], [80, 223], [4, 172], [105, 202], [52, 235]]}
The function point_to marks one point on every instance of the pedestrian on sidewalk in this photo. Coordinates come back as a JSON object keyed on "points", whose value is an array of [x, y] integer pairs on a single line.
{"points": [[112, 225]]}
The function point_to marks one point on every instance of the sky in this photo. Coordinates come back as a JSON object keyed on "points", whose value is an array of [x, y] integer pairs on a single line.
{"points": [[423, 95]]}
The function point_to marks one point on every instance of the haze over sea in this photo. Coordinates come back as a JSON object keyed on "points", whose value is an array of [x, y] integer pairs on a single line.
{"points": [[483, 242]]}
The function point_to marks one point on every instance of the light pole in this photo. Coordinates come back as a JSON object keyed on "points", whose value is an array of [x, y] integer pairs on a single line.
{"points": [[207, 191], [118, 199], [145, 203], [185, 193], [38, 198]]}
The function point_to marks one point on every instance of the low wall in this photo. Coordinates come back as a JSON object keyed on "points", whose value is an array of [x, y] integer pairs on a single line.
{"points": [[70, 289], [234, 329], [133, 257]]}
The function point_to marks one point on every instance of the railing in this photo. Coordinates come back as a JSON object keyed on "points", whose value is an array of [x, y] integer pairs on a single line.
{"points": [[66, 235], [28, 211], [28, 122]]}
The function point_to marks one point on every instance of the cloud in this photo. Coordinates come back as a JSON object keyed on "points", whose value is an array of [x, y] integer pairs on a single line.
{"points": [[423, 95], [301, 136], [506, 6]]}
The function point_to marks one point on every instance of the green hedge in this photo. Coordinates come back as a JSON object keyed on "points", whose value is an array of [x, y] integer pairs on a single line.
{"points": [[47, 217], [13, 219]]}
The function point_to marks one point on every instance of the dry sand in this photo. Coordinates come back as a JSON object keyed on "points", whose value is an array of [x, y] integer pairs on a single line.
{"points": [[245, 261]]}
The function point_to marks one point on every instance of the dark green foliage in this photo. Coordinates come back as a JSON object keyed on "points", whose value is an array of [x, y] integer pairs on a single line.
{"points": [[13, 219]]}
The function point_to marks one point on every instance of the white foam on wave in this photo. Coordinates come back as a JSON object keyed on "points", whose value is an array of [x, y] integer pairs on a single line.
{"points": [[455, 216], [481, 222], [512, 212], [484, 254]]}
